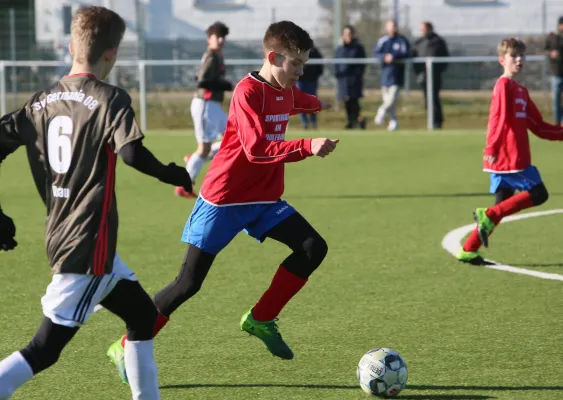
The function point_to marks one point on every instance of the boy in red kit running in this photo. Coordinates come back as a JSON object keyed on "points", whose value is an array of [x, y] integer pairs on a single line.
{"points": [[242, 190], [507, 153]]}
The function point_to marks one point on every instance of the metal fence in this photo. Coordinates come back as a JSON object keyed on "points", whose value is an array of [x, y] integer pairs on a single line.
{"points": [[136, 76]]}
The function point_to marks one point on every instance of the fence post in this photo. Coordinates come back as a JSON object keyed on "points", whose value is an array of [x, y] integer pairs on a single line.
{"points": [[430, 93], [13, 78], [3, 110], [143, 94]]}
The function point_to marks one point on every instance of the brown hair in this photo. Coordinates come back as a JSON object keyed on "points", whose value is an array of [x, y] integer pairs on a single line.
{"points": [[511, 45], [429, 26], [218, 28], [285, 36], [93, 31]]}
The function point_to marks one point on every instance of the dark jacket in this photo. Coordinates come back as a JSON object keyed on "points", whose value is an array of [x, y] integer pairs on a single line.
{"points": [[431, 45], [312, 72], [350, 76], [398, 46], [554, 41]]}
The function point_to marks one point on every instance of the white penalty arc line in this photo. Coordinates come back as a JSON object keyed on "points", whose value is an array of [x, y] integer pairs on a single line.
{"points": [[452, 242]]}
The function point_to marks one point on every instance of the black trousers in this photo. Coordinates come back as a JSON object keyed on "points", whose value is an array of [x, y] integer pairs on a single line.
{"points": [[438, 116]]}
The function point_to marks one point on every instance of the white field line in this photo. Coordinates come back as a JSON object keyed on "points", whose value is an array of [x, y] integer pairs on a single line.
{"points": [[452, 242]]}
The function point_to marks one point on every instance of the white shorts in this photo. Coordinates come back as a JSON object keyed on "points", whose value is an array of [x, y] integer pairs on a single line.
{"points": [[209, 119], [71, 298]]}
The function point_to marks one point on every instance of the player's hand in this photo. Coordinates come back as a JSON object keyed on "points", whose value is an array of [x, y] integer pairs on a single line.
{"points": [[322, 146], [489, 159], [177, 176], [7, 232], [554, 54], [388, 58]]}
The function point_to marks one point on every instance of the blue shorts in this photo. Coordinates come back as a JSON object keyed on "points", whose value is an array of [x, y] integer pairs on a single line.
{"points": [[211, 228], [522, 181]]}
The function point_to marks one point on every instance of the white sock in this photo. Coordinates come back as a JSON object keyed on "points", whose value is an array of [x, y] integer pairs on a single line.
{"points": [[14, 372], [194, 165], [214, 149], [141, 369]]}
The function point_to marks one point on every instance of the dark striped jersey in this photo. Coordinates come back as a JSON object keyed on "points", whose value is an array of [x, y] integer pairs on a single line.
{"points": [[72, 133], [212, 70]]}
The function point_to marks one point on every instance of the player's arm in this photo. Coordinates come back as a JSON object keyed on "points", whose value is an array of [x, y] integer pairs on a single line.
{"points": [[126, 140], [210, 76], [10, 139], [497, 121], [378, 49], [247, 107], [304, 103], [539, 127]]}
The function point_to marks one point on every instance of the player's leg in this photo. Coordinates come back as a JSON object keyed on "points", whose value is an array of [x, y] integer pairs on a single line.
{"points": [[469, 253], [392, 108], [348, 108], [221, 119], [135, 360], [382, 110], [42, 352], [532, 193], [208, 230], [314, 90], [308, 251]]}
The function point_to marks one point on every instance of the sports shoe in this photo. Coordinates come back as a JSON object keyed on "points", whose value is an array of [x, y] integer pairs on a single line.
{"points": [[379, 118], [470, 257], [116, 354], [181, 192], [484, 224], [393, 125], [268, 333]]}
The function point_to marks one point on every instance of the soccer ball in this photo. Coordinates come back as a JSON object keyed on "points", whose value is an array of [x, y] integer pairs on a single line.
{"points": [[382, 373]]}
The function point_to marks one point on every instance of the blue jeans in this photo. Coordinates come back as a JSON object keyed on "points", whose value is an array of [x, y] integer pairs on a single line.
{"points": [[309, 87], [556, 91]]}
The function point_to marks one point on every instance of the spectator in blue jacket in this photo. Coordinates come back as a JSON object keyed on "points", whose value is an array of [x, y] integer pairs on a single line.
{"points": [[391, 49], [350, 77], [309, 83]]}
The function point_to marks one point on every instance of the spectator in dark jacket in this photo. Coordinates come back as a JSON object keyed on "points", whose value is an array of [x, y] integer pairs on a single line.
{"points": [[391, 49], [554, 47], [431, 45], [309, 83], [350, 77]]}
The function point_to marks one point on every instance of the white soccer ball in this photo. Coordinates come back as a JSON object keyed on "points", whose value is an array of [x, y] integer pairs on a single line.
{"points": [[382, 373]]}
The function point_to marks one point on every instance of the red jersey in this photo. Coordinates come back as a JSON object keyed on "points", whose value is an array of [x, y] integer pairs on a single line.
{"points": [[249, 167], [511, 114]]}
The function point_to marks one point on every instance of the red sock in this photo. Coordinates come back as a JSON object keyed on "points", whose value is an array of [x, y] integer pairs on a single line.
{"points": [[161, 320], [472, 243], [510, 206], [284, 286]]}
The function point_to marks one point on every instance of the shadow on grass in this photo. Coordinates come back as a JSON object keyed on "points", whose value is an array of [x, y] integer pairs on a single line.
{"points": [[383, 196], [404, 395]]}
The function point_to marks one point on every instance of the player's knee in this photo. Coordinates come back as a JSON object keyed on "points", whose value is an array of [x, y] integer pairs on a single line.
{"points": [[39, 356], [539, 194], [189, 288], [316, 250], [204, 149], [140, 325]]}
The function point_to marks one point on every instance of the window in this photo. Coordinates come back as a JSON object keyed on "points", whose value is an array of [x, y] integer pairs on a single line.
{"points": [[476, 3], [219, 3]]}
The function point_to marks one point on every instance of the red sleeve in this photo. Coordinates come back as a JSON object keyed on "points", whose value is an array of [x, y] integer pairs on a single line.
{"points": [[539, 127], [247, 105], [497, 118], [304, 103]]}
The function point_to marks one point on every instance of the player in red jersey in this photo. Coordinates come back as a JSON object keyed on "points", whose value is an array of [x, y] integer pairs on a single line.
{"points": [[242, 189], [507, 153]]}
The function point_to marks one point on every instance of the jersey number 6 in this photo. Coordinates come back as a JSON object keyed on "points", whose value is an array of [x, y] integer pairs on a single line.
{"points": [[59, 144]]}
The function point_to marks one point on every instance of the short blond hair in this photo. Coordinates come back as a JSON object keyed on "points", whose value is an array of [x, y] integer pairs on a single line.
{"points": [[511, 45], [93, 31]]}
